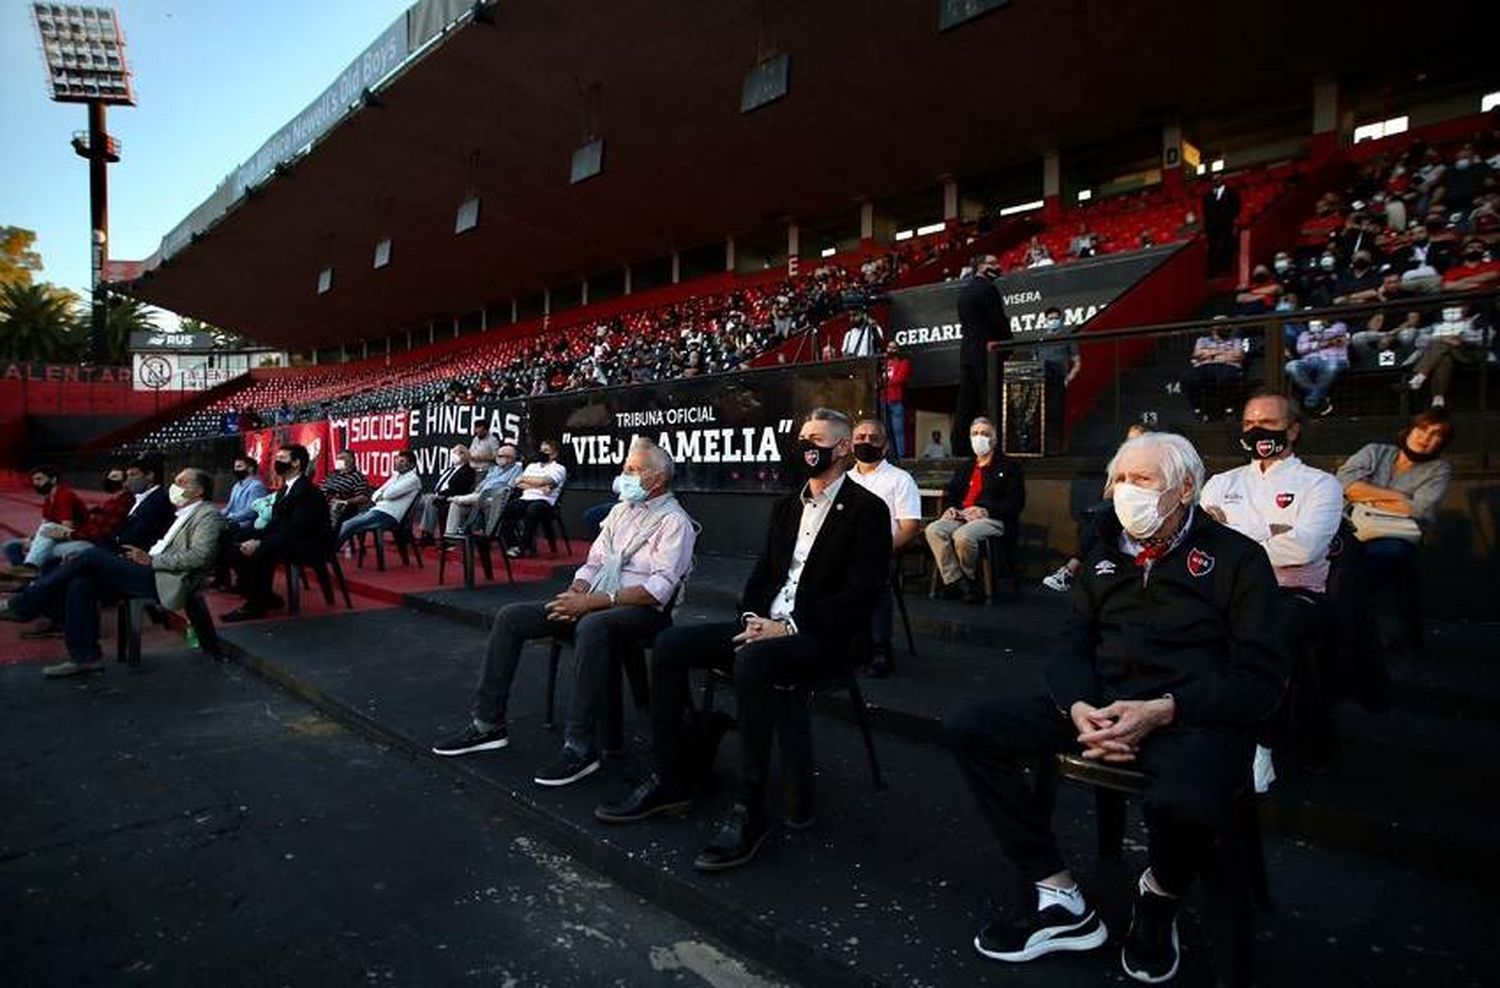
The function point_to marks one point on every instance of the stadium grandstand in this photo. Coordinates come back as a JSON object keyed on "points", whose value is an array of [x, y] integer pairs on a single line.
{"points": [[974, 242]]}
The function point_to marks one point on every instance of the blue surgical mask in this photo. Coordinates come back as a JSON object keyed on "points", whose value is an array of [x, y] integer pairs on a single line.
{"points": [[631, 489]]}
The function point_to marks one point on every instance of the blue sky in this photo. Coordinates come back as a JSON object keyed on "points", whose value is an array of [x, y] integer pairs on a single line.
{"points": [[213, 80]]}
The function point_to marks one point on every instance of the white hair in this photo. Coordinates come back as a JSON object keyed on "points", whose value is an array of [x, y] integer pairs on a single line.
{"points": [[658, 460], [1179, 460]]}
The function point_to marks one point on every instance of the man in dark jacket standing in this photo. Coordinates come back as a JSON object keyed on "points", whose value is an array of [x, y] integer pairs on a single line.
{"points": [[983, 499], [1178, 651], [813, 589], [982, 319], [1221, 209]]}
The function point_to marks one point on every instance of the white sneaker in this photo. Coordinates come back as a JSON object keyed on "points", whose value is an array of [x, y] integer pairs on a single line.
{"points": [[1263, 769], [1059, 581]]}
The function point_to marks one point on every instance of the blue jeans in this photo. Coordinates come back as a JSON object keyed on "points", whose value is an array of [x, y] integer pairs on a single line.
{"points": [[895, 424], [76, 589], [370, 520], [1315, 375]]}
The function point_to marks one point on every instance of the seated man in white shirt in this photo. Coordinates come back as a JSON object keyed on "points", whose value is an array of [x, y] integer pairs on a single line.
{"points": [[898, 489], [389, 503], [1291, 509], [540, 484], [618, 599]]}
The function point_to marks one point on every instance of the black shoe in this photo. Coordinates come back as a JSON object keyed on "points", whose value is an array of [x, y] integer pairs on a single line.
{"points": [[955, 590], [1150, 951], [738, 841], [973, 592], [879, 665], [1039, 933], [567, 768], [651, 798], [244, 612], [48, 629], [472, 739]]}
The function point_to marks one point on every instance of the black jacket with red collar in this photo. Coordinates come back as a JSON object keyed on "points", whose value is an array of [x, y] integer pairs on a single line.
{"points": [[1205, 624], [843, 572]]}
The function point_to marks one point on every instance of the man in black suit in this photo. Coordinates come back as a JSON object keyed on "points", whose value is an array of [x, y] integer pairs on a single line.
{"points": [[298, 531], [456, 480], [1221, 208], [981, 316], [152, 514], [813, 589]]}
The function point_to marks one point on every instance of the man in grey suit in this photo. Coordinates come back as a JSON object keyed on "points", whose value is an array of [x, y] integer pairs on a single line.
{"points": [[169, 573]]}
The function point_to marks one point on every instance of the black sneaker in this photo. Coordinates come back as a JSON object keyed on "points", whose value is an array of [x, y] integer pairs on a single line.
{"points": [[1150, 951], [472, 739], [567, 768], [1040, 933]]}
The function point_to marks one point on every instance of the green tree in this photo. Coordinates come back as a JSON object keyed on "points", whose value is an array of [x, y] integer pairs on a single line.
{"points": [[123, 315], [17, 259], [38, 322]]}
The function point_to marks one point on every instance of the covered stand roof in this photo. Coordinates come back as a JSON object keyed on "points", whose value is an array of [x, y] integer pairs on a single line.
{"points": [[880, 103]]}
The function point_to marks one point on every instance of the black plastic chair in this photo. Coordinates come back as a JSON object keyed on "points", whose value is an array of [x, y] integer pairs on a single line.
{"points": [[997, 554], [632, 665], [472, 544], [555, 518], [401, 536], [324, 571], [899, 595], [130, 614], [1234, 876]]}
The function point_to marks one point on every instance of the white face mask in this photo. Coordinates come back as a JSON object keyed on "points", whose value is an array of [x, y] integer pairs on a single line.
{"points": [[1139, 510], [177, 496], [981, 444]]}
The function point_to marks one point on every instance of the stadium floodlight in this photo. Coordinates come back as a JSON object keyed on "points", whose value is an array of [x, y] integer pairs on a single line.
{"points": [[84, 50], [1022, 207], [1084, 195], [904, 235], [828, 252], [931, 228]]}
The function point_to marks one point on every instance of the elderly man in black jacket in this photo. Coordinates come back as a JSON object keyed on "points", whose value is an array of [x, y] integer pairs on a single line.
{"points": [[1178, 651], [299, 531], [983, 499], [812, 591], [982, 321]]}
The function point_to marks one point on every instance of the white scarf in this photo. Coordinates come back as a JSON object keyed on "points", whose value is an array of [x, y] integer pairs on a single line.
{"points": [[608, 579]]}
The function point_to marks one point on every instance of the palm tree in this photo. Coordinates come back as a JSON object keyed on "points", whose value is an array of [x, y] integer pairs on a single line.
{"points": [[37, 323], [123, 316]]}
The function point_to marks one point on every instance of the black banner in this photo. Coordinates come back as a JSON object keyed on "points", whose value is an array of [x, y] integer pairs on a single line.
{"points": [[436, 428], [925, 320], [726, 433]]}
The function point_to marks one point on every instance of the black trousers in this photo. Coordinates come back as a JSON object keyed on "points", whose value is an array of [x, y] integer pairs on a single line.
{"points": [[1194, 773], [530, 514], [598, 640], [758, 668], [1221, 249], [1212, 388]]}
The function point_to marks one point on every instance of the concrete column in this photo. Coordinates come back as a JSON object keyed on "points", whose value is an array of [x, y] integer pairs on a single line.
{"points": [[1172, 164], [950, 200], [676, 267], [546, 301], [1325, 118], [866, 221], [584, 292], [1052, 204], [793, 248], [628, 286], [729, 254], [515, 310]]}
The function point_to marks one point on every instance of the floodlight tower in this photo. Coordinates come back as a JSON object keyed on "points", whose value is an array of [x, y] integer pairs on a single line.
{"points": [[85, 54]]}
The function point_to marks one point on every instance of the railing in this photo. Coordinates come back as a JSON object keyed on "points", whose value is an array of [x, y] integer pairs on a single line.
{"points": [[1151, 380]]}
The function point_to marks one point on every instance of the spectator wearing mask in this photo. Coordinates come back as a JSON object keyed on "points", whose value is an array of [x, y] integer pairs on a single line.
{"points": [[619, 599], [983, 324], [390, 502], [1423, 255], [150, 512], [894, 374], [1394, 493], [898, 489], [482, 450], [540, 484], [1473, 273], [1292, 511], [1061, 580], [1457, 339], [1322, 355], [1463, 183], [298, 531], [984, 499], [346, 488], [1322, 279], [237, 511], [170, 571], [811, 591], [456, 479], [1287, 275], [60, 506], [1215, 374], [1178, 654], [102, 522], [1361, 283], [489, 495], [1260, 295], [1221, 211], [1377, 344]]}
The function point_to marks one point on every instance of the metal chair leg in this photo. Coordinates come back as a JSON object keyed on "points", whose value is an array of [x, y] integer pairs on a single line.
{"points": [[861, 718]]}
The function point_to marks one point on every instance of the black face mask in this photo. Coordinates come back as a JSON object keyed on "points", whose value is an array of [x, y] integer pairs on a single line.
{"points": [[1262, 443], [1416, 457], [812, 458], [868, 453], [43, 488], [240, 473], [111, 485], [1473, 255], [282, 467], [544, 457]]}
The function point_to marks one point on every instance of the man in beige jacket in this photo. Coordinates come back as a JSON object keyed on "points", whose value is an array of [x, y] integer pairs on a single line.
{"points": [[168, 573]]}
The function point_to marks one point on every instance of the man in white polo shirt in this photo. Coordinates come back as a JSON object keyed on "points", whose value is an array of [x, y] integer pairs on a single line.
{"points": [[1291, 509], [540, 485], [898, 490]]}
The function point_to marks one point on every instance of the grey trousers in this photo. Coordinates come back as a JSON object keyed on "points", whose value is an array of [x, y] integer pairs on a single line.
{"points": [[955, 545]]}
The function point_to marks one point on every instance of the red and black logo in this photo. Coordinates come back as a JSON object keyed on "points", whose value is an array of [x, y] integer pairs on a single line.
{"points": [[1200, 563], [1285, 499]]}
